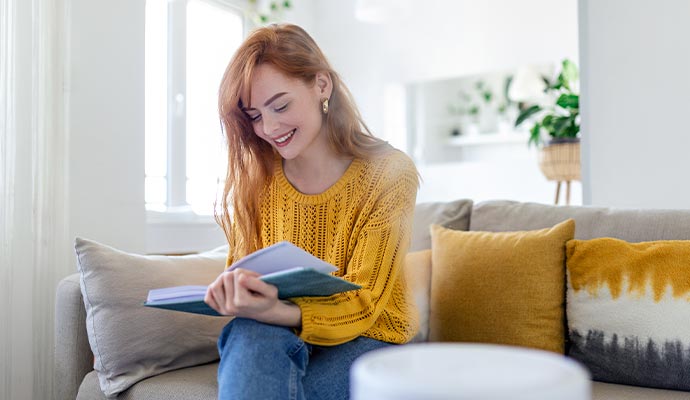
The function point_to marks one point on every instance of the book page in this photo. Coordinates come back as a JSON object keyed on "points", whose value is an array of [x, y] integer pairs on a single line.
{"points": [[279, 257]]}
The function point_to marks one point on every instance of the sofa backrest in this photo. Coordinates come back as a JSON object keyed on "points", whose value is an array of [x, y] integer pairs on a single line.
{"points": [[453, 215], [590, 222]]}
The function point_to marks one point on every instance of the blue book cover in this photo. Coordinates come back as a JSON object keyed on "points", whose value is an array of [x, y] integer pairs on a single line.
{"points": [[299, 282], [294, 271]]}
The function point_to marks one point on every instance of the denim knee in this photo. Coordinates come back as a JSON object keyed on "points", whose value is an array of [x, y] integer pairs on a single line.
{"points": [[260, 361], [250, 332]]}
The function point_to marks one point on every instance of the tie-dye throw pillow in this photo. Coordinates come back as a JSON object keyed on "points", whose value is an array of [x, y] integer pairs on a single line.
{"points": [[628, 310]]}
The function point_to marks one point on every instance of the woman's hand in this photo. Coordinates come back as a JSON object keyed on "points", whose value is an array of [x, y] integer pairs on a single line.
{"points": [[241, 293]]}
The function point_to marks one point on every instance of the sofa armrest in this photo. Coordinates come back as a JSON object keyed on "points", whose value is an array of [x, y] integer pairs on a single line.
{"points": [[73, 357]]}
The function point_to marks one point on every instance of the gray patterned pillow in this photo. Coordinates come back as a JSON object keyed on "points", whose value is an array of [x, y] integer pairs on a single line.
{"points": [[628, 308]]}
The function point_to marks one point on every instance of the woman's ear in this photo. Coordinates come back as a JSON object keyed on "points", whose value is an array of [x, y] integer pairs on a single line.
{"points": [[324, 84]]}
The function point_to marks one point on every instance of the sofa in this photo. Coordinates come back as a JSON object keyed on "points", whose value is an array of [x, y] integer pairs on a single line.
{"points": [[75, 376]]}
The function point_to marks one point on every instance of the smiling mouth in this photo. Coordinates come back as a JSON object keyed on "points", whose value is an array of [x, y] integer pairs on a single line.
{"points": [[285, 138]]}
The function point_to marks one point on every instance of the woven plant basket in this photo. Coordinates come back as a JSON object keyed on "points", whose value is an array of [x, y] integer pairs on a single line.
{"points": [[561, 161]]}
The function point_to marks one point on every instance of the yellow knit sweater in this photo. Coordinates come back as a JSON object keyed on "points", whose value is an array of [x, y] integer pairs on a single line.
{"points": [[362, 225]]}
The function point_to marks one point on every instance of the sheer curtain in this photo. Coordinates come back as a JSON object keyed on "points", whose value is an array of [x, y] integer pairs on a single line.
{"points": [[34, 245]]}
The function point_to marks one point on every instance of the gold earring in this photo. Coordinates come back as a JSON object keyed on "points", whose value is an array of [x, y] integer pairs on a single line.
{"points": [[324, 105]]}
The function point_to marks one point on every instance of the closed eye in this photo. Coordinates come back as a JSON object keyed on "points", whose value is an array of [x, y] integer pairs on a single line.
{"points": [[282, 108], [255, 118]]}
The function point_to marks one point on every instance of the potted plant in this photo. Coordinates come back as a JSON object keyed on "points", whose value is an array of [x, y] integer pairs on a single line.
{"points": [[479, 109], [556, 117]]}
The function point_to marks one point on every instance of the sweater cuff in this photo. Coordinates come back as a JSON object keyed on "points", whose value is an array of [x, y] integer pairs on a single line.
{"points": [[307, 326]]}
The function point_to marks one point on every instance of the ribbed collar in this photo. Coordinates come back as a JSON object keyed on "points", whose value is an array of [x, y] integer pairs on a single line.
{"points": [[350, 173]]}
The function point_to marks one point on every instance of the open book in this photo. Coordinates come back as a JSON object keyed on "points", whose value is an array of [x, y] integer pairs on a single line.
{"points": [[294, 271]]}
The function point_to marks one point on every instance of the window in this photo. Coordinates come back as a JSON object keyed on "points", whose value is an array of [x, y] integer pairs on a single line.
{"points": [[188, 45]]}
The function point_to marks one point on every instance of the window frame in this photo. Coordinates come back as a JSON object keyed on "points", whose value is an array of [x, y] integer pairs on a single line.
{"points": [[178, 229]]}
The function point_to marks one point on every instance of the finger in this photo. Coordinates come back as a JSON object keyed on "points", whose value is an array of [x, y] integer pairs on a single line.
{"points": [[210, 300], [215, 296], [245, 297], [256, 285], [247, 272], [229, 291], [240, 292]]}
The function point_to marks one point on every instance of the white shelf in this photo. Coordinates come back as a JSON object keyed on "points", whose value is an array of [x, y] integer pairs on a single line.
{"points": [[489, 138]]}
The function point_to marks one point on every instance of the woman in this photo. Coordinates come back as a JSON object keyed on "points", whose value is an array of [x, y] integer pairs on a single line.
{"points": [[303, 167]]}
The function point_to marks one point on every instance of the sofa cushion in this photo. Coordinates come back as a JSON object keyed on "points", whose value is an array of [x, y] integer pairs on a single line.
{"points": [[72, 352], [505, 288], [131, 342], [418, 277], [453, 215], [629, 310], [591, 222], [193, 383], [611, 391]]}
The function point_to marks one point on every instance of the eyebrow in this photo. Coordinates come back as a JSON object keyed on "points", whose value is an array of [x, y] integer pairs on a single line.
{"points": [[269, 101]]}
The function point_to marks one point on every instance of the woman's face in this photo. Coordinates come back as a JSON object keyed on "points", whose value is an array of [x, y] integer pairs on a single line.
{"points": [[286, 112]]}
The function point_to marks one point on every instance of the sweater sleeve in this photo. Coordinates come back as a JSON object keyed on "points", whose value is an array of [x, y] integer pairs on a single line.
{"points": [[375, 265]]}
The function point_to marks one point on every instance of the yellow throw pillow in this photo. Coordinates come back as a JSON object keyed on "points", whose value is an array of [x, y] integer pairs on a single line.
{"points": [[499, 287], [629, 310], [418, 277]]}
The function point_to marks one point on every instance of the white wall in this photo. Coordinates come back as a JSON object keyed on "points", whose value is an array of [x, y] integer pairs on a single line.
{"points": [[106, 122], [635, 102]]}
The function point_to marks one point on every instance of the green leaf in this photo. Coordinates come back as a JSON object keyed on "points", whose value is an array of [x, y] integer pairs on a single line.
{"points": [[569, 72], [573, 129], [569, 101], [560, 126], [525, 114], [534, 137]]}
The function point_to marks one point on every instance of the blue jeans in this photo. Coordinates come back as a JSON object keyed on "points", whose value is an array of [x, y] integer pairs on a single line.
{"points": [[261, 361]]}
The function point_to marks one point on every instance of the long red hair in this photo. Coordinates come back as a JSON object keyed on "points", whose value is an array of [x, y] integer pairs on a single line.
{"points": [[290, 50]]}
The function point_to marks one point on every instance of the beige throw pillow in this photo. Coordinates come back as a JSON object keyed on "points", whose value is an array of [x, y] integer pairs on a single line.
{"points": [[131, 342]]}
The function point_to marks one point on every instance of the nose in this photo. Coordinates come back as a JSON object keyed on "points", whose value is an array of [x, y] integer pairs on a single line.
{"points": [[270, 124]]}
